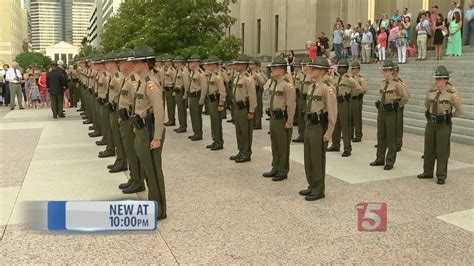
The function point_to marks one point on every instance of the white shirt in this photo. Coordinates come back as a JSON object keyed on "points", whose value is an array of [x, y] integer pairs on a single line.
{"points": [[11, 77]]}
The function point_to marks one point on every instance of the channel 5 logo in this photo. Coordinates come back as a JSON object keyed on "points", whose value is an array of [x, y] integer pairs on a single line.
{"points": [[372, 216]]}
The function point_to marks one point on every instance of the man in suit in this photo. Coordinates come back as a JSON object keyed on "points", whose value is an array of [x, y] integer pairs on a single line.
{"points": [[56, 82]]}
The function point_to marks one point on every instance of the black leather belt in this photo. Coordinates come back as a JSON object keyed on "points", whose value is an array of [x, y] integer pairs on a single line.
{"points": [[439, 119], [241, 105], [276, 114], [195, 94], [342, 98], [168, 88]]}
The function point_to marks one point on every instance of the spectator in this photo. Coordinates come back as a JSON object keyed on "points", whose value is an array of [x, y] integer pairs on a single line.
{"points": [[56, 82], [454, 8], [34, 93], [44, 94], [6, 87], [28, 82], [407, 26], [312, 49], [14, 79], [405, 13], [422, 29], [291, 61], [392, 38], [469, 22], [355, 40], [382, 43], [396, 15], [337, 39], [385, 22], [455, 40], [366, 42], [324, 41], [347, 40], [438, 36], [434, 15], [402, 44]]}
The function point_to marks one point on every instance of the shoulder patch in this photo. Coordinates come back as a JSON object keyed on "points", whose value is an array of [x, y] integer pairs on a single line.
{"points": [[151, 86], [330, 90]]}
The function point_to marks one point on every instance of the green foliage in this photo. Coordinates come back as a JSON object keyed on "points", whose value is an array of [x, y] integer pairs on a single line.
{"points": [[32, 58], [178, 27]]}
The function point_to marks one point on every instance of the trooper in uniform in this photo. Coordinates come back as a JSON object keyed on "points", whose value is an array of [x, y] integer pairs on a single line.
{"points": [[400, 109], [181, 82], [260, 80], [345, 86], [303, 80], [392, 94], [125, 106], [148, 126], [297, 83], [231, 73], [357, 103], [440, 101], [196, 95], [168, 85], [281, 112], [216, 94], [320, 117], [103, 82], [116, 82], [93, 85], [244, 98]]}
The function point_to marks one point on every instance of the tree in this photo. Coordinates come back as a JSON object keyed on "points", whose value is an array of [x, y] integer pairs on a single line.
{"points": [[86, 48], [178, 27], [32, 58]]}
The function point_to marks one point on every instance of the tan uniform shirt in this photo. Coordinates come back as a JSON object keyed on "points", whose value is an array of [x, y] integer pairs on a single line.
{"points": [[182, 79], [103, 85], [394, 92], [215, 83], [149, 99], [259, 79], [169, 75], [448, 98], [362, 82], [128, 91], [243, 89], [346, 84], [160, 74], [306, 82], [283, 96], [322, 98], [405, 87], [329, 78], [115, 85], [298, 80], [198, 81]]}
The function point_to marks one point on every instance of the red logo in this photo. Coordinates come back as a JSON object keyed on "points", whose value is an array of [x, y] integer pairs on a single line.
{"points": [[372, 216]]}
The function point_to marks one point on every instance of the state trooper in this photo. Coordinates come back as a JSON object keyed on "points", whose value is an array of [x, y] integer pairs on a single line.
{"points": [[114, 86], [400, 109], [181, 82], [320, 116], [125, 107], [303, 81], [215, 92], [147, 120], [281, 112], [198, 83], [440, 101], [244, 99], [357, 103], [260, 80], [345, 86], [168, 84], [392, 94]]}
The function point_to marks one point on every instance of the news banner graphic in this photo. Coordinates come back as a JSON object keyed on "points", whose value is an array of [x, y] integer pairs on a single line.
{"points": [[372, 216], [102, 215]]}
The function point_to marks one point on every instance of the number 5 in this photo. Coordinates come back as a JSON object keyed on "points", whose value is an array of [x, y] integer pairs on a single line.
{"points": [[370, 214]]}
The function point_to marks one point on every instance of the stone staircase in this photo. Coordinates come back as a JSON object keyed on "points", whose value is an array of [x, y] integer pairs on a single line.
{"points": [[417, 75]]}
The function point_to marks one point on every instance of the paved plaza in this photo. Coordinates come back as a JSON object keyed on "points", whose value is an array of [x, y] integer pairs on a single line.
{"points": [[221, 212]]}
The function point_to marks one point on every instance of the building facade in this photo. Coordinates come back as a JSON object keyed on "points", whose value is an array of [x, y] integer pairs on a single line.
{"points": [[62, 51], [269, 27], [98, 18], [53, 21], [14, 30]]}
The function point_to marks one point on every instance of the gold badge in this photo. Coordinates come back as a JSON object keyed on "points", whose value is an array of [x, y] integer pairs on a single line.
{"points": [[134, 85], [151, 86], [291, 87], [330, 90], [456, 96]]}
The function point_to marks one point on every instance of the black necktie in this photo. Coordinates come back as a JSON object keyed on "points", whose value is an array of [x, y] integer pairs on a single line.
{"points": [[436, 103], [384, 92]]}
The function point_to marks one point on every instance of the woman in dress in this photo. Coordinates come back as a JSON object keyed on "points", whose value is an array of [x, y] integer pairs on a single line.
{"points": [[454, 42], [34, 93], [438, 36], [355, 44], [347, 40], [407, 24], [402, 44]]}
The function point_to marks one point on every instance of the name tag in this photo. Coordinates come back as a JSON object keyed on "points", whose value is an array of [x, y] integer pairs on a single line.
{"points": [[124, 92], [139, 96]]}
